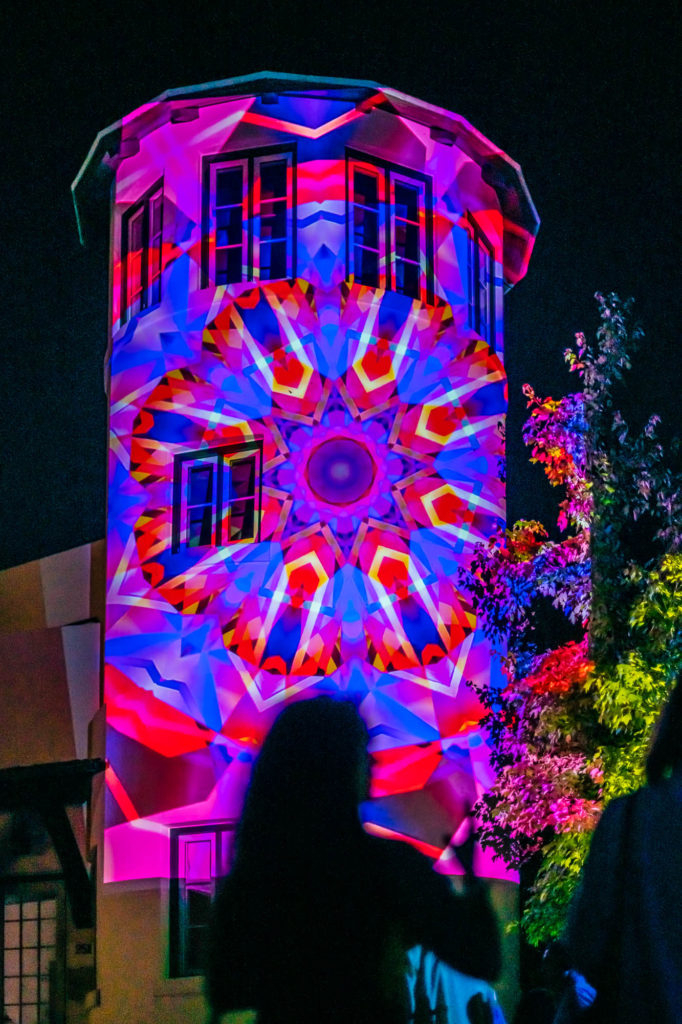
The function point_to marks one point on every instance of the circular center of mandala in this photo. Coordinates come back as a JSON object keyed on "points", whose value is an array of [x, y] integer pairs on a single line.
{"points": [[340, 471]]}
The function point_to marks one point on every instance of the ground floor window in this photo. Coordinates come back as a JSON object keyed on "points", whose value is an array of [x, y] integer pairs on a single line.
{"points": [[33, 956], [200, 857]]}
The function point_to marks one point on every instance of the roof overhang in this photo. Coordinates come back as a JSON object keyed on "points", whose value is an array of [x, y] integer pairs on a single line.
{"points": [[47, 790], [93, 181]]}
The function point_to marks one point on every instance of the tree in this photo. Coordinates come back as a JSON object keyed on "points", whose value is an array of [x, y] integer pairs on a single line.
{"points": [[570, 728]]}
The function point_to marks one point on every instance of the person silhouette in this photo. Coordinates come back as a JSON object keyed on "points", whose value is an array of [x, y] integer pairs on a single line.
{"points": [[624, 933], [315, 918]]}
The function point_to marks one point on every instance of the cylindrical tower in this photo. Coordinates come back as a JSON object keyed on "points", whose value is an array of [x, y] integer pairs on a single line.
{"points": [[306, 386]]}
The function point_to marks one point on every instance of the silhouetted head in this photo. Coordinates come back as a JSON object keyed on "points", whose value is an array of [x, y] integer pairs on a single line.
{"points": [[665, 754], [307, 781]]}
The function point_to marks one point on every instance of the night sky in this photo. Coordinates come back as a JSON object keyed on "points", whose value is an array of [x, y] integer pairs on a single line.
{"points": [[583, 95]]}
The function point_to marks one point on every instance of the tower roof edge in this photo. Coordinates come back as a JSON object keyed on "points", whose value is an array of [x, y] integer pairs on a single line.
{"points": [[499, 170]]}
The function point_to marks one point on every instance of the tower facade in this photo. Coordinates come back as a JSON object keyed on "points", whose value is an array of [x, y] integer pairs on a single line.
{"points": [[306, 386]]}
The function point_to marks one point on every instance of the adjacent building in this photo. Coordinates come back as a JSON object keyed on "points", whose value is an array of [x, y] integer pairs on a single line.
{"points": [[51, 784]]}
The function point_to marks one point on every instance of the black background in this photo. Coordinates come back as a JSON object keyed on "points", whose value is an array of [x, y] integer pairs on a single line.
{"points": [[583, 95]]}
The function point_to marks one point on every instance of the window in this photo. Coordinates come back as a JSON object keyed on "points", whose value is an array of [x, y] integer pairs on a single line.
{"points": [[217, 496], [368, 233], [389, 233], [407, 204], [141, 243], [199, 859], [481, 274], [271, 201], [230, 198], [248, 217], [32, 957]]}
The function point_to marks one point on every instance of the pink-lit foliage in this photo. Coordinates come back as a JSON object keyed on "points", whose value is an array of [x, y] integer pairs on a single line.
{"points": [[545, 778], [570, 726]]}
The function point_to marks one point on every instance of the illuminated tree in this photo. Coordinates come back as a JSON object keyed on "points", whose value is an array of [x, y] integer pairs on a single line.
{"points": [[571, 726]]}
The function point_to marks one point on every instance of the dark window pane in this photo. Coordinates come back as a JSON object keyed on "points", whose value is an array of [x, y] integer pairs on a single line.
{"points": [[200, 485], [234, 264], [480, 265], [366, 264], [228, 227], [135, 232], [407, 279], [406, 201], [242, 478], [407, 241], [155, 243], [228, 265], [135, 304], [366, 227], [273, 180], [242, 520], [195, 950], [366, 189], [155, 217], [200, 527], [198, 905], [228, 187], [273, 260], [221, 266], [481, 286], [273, 220], [134, 269]]}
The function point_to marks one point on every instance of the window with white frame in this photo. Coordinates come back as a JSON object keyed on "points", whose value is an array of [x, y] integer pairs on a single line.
{"points": [[248, 217], [389, 228], [217, 496], [367, 201], [272, 228], [141, 245], [229, 198], [199, 859], [481, 282]]}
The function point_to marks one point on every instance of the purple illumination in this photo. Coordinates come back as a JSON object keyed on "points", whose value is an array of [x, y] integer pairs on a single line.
{"points": [[340, 471], [304, 447]]}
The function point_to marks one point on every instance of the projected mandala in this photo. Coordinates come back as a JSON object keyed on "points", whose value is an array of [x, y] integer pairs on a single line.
{"points": [[375, 427], [304, 410], [368, 486]]}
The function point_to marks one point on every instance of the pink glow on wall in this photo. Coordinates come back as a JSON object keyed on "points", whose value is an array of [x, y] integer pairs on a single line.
{"points": [[300, 456]]}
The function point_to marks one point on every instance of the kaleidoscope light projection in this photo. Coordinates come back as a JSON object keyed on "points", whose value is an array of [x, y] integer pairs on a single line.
{"points": [[297, 466]]}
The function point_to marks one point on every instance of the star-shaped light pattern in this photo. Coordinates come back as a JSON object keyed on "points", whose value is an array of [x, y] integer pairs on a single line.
{"points": [[369, 420], [379, 423]]}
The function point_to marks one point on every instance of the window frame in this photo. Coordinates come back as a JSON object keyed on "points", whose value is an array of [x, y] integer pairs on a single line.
{"points": [[220, 502], [179, 923], [481, 284], [151, 269], [383, 218], [215, 170], [251, 160], [399, 178], [22, 891], [389, 175]]}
